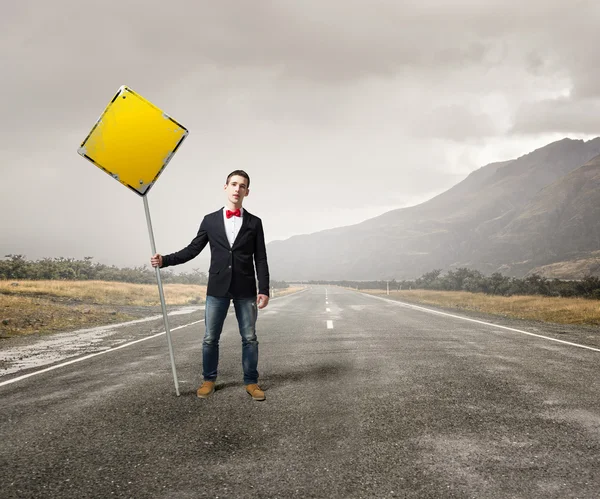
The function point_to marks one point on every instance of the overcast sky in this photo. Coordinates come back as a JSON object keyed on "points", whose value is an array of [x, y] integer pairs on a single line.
{"points": [[338, 110]]}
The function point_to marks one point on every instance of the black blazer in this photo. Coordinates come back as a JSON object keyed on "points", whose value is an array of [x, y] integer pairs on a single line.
{"points": [[231, 273]]}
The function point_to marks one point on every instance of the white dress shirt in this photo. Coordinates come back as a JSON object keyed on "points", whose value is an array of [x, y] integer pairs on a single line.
{"points": [[232, 225]]}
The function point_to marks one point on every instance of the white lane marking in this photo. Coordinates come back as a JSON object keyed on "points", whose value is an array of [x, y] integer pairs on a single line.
{"points": [[326, 302], [329, 324], [14, 380], [328, 310], [410, 305]]}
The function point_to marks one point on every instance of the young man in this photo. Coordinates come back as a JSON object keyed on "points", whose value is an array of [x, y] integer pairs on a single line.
{"points": [[236, 238]]}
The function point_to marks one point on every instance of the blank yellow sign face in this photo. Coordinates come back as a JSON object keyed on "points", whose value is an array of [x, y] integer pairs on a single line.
{"points": [[133, 141]]}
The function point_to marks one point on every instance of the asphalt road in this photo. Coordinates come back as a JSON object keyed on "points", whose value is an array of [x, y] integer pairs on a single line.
{"points": [[365, 398]]}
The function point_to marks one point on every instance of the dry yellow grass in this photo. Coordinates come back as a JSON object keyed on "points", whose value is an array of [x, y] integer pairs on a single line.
{"points": [[540, 308], [27, 314], [286, 291], [47, 306], [107, 293]]}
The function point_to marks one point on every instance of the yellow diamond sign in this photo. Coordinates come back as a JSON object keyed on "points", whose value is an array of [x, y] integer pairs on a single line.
{"points": [[133, 140]]}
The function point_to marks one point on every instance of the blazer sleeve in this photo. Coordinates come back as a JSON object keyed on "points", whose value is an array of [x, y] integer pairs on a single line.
{"points": [[192, 250], [260, 259]]}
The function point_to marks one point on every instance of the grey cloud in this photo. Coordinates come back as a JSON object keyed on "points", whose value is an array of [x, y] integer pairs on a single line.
{"points": [[50, 44], [562, 115], [454, 122]]}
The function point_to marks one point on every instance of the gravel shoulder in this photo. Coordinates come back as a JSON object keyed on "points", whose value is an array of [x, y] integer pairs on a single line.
{"points": [[22, 354]]}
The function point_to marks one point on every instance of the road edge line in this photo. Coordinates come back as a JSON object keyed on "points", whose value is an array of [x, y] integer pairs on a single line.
{"points": [[410, 305]]}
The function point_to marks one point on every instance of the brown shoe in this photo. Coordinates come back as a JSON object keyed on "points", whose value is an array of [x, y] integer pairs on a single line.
{"points": [[206, 389], [256, 392]]}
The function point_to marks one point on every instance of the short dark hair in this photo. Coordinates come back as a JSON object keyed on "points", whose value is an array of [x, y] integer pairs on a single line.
{"points": [[241, 173]]}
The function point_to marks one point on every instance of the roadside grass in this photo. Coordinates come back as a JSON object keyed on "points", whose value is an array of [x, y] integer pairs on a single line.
{"points": [[49, 306], [21, 315], [576, 311], [106, 293], [287, 291]]}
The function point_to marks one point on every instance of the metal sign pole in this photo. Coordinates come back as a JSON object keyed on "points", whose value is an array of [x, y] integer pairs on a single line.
{"points": [[162, 296]]}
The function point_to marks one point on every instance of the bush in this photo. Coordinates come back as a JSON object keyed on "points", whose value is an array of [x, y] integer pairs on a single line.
{"points": [[464, 279]]}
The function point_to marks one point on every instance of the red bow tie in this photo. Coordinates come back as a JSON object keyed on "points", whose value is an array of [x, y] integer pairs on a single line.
{"points": [[234, 213]]}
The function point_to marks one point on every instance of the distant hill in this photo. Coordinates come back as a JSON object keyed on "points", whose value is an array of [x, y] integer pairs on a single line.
{"points": [[512, 217], [578, 268], [561, 225]]}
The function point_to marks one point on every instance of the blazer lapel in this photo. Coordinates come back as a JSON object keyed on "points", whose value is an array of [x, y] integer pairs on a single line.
{"points": [[221, 231]]}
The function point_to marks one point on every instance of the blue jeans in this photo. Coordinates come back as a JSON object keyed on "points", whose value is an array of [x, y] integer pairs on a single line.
{"points": [[214, 314]]}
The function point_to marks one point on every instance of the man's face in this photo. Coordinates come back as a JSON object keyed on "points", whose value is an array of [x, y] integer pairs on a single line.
{"points": [[237, 190]]}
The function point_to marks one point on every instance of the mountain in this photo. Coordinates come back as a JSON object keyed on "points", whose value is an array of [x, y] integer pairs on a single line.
{"points": [[560, 227], [511, 217], [587, 266]]}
